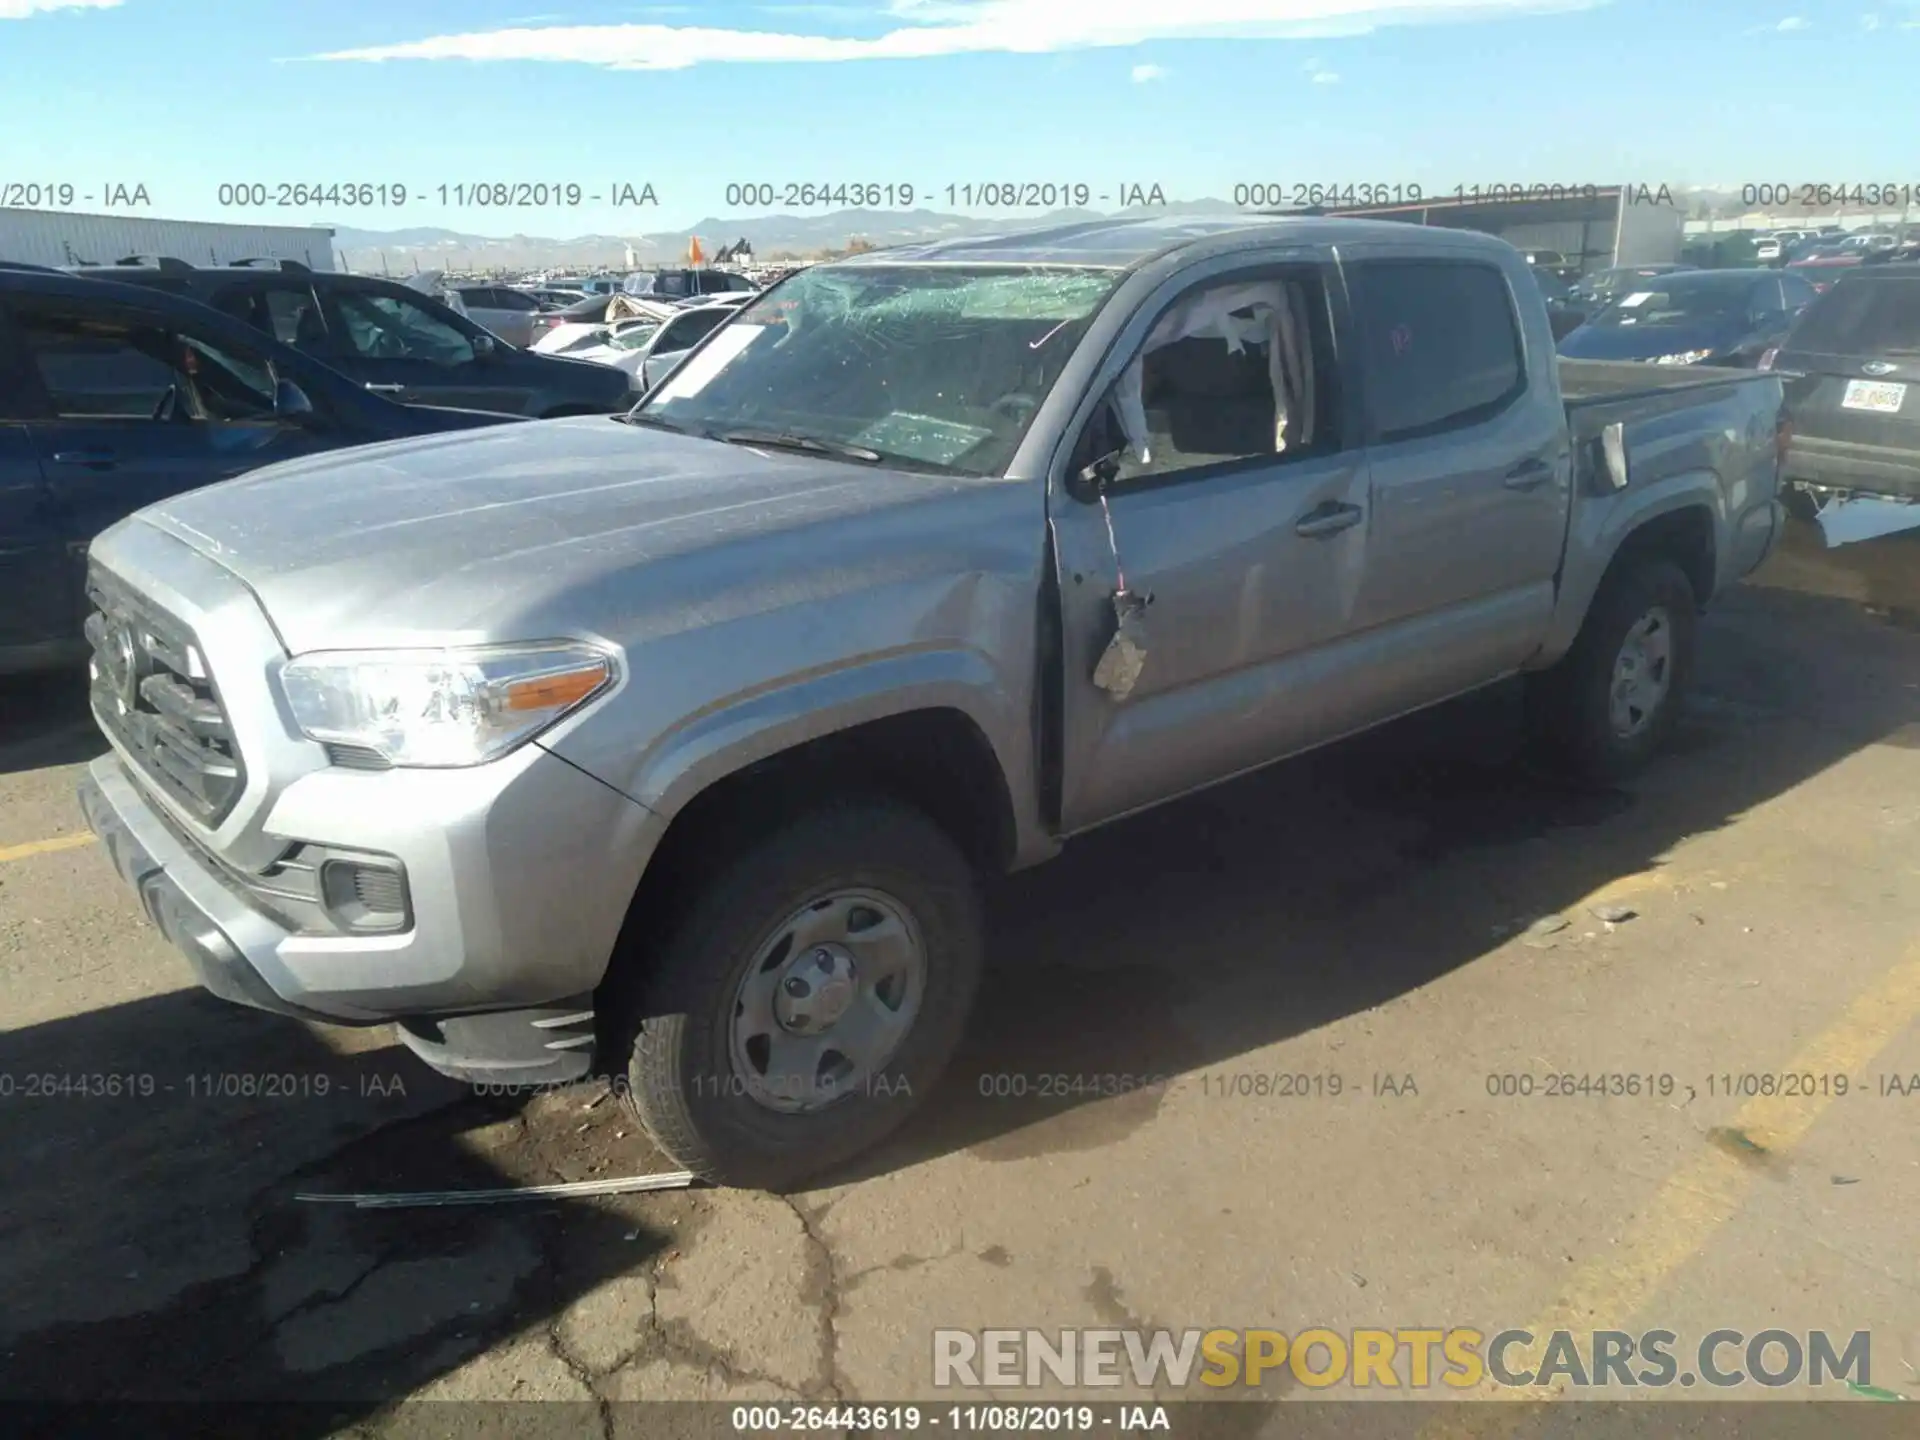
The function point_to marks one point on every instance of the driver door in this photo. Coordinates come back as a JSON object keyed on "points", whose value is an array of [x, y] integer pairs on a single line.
{"points": [[1254, 559]]}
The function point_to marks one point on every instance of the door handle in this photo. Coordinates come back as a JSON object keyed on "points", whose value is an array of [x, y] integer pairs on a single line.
{"points": [[385, 389], [94, 459], [1328, 519], [1529, 474]]}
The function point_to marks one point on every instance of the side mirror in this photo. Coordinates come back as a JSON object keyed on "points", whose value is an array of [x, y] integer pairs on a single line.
{"points": [[1093, 480], [484, 347], [292, 404]]}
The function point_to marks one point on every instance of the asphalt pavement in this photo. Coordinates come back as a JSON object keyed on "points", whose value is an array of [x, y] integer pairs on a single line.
{"points": [[1282, 1055]]}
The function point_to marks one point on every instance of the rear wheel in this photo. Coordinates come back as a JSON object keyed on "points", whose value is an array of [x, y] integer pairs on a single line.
{"points": [[809, 997], [1610, 704]]}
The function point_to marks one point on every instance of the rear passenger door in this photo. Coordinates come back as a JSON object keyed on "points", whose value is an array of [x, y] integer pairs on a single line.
{"points": [[408, 351], [1471, 466]]}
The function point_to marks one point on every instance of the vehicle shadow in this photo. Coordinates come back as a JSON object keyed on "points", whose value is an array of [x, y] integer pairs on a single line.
{"points": [[1330, 884], [44, 721]]}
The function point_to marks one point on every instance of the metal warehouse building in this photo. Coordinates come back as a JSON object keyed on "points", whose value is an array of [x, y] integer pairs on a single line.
{"points": [[58, 237], [1594, 226]]}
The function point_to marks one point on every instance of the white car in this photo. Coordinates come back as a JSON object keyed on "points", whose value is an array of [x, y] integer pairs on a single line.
{"points": [[622, 344], [686, 329]]}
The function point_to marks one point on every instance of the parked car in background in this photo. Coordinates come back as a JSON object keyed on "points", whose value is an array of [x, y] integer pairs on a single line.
{"points": [[688, 283], [622, 343], [506, 312], [1554, 262], [1822, 259], [678, 336], [578, 327], [1694, 317], [551, 298], [113, 397], [1590, 292], [732, 705], [1563, 313], [391, 338], [1851, 366]]}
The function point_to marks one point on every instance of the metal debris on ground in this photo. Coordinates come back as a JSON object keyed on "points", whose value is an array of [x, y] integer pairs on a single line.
{"points": [[1614, 914], [411, 1199], [1548, 925]]}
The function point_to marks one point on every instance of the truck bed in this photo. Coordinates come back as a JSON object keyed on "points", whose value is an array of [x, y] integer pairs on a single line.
{"points": [[1584, 381]]}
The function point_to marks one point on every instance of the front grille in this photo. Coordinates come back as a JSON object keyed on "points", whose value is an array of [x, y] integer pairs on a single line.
{"points": [[152, 691]]}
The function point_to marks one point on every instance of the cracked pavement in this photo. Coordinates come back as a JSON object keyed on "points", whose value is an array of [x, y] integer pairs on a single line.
{"points": [[1111, 1148]]}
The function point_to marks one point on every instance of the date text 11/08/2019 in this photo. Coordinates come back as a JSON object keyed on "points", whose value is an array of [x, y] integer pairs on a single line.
{"points": [[971, 195], [988, 1419], [466, 195]]}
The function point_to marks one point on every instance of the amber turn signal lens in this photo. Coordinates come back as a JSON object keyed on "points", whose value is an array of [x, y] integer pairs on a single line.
{"points": [[555, 692]]}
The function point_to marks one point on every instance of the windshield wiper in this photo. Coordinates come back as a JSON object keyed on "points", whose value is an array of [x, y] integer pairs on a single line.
{"points": [[775, 440]]}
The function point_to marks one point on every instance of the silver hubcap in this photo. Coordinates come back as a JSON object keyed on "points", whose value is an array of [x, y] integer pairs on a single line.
{"points": [[1642, 673], [827, 1000]]}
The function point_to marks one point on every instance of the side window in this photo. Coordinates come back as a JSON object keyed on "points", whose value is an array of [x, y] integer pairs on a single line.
{"points": [[689, 330], [1235, 371], [293, 317], [98, 363], [515, 300], [671, 283], [385, 327], [229, 383], [1439, 345]]}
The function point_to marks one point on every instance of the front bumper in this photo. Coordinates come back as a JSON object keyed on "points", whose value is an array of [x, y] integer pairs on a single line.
{"points": [[492, 981]]}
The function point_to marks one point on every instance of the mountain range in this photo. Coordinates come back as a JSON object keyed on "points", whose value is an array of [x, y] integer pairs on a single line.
{"points": [[433, 247]]}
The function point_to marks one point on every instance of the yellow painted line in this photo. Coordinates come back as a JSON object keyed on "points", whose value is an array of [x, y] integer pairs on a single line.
{"points": [[44, 847], [1701, 1196]]}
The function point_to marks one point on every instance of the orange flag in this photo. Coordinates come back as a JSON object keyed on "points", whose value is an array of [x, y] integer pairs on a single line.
{"points": [[695, 255]]}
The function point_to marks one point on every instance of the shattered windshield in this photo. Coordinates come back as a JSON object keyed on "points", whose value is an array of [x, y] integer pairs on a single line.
{"points": [[936, 365]]}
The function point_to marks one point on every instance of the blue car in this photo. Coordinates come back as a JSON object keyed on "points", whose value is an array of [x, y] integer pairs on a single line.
{"points": [[114, 396], [1694, 317]]}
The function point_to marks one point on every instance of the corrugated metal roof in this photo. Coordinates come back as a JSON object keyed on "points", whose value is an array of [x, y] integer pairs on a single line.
{"points": [[58, 237]]}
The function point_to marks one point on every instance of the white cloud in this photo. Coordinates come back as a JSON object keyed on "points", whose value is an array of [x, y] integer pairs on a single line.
{"points": [[924, 28], [21, 9], [1795, 22], [1143, 74], [1320, 74]]}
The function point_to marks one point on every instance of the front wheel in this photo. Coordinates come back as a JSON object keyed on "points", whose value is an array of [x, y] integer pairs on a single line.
{"points": [[1610, 704], [809, 998]]}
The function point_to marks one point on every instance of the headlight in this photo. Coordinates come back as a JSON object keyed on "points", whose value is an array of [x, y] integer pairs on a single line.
{"points": [[441, 708], [1683, 357]]}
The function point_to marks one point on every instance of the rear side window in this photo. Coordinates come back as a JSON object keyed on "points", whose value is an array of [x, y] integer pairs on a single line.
{"points": [[1878, 315], [1439, 344]]}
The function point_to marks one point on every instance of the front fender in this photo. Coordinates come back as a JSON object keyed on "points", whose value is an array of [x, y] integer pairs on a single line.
{"points": [[749, 728]]}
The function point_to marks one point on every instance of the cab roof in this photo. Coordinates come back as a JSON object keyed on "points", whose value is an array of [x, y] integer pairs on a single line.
{"points": [[1120, 243]]}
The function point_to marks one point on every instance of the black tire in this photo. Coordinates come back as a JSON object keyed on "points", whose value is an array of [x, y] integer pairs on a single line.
{"points": [[682, 1079], [1570, 705]]}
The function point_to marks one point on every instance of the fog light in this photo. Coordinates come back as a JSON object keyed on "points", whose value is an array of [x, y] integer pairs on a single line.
{"points": [[364, 897]]}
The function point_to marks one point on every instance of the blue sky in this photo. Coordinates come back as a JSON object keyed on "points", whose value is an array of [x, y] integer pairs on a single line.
{"points": [[1195, 95]]}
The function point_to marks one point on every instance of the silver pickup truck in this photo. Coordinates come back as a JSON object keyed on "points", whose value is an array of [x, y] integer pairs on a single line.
{"points": [[672, 745]]}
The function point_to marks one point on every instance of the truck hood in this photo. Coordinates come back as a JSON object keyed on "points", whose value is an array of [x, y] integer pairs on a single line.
{"points": [[508, 532]]}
